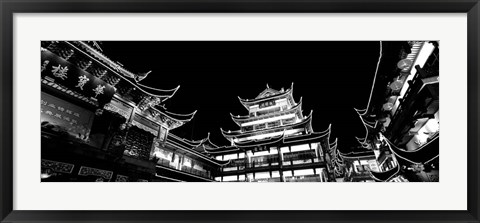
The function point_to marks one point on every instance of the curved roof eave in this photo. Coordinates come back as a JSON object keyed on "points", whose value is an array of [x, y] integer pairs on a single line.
{"points": [[238, 119], [246, 102], [268, 141], [423, 154], [368, 129], [194, 152], [221, 149], [334, 143], [192, 143], [175, 116], [230, 134], [386, 175], [125, 78], [161, 92], [365, 111], [361, 154], [314, 136]]}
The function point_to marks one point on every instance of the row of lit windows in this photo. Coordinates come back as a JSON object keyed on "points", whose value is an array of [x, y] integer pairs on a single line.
{"points": [[295, 158], [306, 175], [273, 150], [180, 162]]}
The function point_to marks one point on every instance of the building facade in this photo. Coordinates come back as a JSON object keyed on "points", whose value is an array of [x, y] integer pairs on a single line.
{"points": [[99, 123], [402, 118], [275, 143]]}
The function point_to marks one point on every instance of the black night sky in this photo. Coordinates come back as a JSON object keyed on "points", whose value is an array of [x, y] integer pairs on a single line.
{"points": [[332, 77]]}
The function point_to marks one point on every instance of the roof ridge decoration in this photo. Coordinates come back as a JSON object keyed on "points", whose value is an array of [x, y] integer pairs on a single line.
{"points": [[267, 92], [246, 102], [364, 111], [207, 140], [96, 45]]}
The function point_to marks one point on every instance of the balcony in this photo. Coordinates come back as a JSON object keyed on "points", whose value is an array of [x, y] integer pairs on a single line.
{"points": [[185, 169], [420, 101], [308, 178]]}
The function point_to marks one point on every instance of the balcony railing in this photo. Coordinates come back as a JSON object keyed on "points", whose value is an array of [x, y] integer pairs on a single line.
{"points": [[186, 169], [294, 158], [308, 178]]}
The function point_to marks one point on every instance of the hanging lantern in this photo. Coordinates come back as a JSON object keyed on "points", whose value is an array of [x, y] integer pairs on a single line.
{"points": [[98, 112], [388, 106], [402, 64], [396, 85]]}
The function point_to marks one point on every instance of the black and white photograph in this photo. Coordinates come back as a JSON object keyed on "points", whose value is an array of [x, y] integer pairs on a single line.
{"points": [[239, 111]]}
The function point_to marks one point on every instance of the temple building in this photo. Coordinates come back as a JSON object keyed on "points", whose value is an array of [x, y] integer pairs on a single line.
{"points": [[401, 118], [275, 143], [99, 123]]}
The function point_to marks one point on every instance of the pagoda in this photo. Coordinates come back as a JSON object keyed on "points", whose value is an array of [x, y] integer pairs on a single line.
{"points": [[275, 143]]}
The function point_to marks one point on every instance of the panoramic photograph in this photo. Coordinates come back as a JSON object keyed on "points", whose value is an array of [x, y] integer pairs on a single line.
{"points": [[239, 111]]}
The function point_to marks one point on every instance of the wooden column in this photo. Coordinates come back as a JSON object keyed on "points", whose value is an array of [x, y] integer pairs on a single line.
{"points": [[280, 164]]}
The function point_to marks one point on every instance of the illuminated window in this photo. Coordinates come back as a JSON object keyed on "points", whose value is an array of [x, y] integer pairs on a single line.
{"points": [[230, 178], [260, 126], [288, 121], [303, 172], [274, 124], [247, 128], [241, 178]]}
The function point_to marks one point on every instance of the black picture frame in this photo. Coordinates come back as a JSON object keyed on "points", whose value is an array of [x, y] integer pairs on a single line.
{"points": [[9, 7]]}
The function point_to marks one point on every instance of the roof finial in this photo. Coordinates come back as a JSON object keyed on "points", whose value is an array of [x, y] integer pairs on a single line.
{"points": [[267, 86]]}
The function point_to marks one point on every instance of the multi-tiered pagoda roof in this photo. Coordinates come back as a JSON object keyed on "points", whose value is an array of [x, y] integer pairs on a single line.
{"points": [[297, 130], [264, 109], [297, 110], [269, 94], [306, 123]]}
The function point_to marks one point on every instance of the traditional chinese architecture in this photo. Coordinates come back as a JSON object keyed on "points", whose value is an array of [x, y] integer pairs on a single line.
{"points": [[401, 118], [275, 143], [99, 123], [358, 164]]}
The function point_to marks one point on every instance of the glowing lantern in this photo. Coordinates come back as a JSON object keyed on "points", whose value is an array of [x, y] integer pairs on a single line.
{"points": [[402, 64], [396, 85]]}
